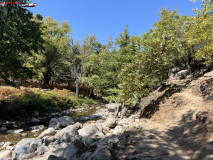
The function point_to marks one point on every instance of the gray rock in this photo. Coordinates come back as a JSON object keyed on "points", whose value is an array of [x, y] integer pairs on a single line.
{"points": [[110, 122], [36, 143], [109, 140], [34, 120], [47, 132], [124, 121], [102, 153], [1, 144], [3, 129], [66, 134], [65, 121], [36, 113], [42, 149], [210, 127], [48, 139], [53, 157], [15, 131], [38, 127], [91, 130], [54, 123], [112, 107], [23, 147], [5, 154]]}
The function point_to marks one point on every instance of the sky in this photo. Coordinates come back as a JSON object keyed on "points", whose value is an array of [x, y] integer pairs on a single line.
{"points": [[107, 18]]}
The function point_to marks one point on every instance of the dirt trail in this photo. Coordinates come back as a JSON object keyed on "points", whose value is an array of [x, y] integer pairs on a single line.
{"points": [[173, 133]]}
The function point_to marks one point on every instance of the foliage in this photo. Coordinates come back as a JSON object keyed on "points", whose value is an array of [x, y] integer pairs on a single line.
{"points": [[24, 102]]}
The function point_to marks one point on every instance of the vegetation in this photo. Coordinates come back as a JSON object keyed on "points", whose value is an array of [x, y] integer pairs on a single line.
{"points": [[121, 71], [19, 103]]}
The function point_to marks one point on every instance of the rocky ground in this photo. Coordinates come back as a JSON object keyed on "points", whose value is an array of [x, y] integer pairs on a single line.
{"points": [[174, 124]]}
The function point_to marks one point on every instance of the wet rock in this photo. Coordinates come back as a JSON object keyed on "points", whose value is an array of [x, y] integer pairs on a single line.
{"points": [[47, 132], [15, 131], [110, 122], [5, 154]]}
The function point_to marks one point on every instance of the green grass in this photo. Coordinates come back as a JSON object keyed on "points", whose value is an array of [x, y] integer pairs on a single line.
{"points": [[22, 104]]}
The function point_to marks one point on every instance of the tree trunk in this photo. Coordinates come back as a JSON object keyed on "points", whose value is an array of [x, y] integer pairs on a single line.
{"points": [[77, 89]]}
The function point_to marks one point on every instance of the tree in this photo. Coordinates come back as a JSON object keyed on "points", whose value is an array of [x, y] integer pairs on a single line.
{"points": [[19, 36]]}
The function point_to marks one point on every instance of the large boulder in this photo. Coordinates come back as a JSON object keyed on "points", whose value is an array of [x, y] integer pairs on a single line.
{"points": [[91, 130], [110, 122], [66, 134], [23, 147], [61, 122], [47, 132]]}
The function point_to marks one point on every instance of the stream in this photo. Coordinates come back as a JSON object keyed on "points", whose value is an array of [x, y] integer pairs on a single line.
{"points": [[80, 116]]}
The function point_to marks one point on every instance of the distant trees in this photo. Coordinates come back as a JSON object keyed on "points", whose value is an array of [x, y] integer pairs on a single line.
{"points": [[122, 71]]}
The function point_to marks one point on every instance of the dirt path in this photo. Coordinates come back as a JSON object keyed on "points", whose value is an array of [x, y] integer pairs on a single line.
{"points": [[172, 133]]}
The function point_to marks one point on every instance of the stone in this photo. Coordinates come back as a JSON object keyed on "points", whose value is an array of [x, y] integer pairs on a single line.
{"points": [[109, 140], [53, 157], [34, 120], [66, 134], [91, 130], [47, 132], [1, 144], [209, 74], [15, 131], [102, 153], [210, 127], [5, 154], [36, 143], [38, 127], [24, 134], [118, 129], [23, 147], [112, 107], [36, 113], [3, 129], [210, 109], [48, 139], [6, 145], [10, 148], [110, 122], [65, 121], [124, 121], [42, 149]]}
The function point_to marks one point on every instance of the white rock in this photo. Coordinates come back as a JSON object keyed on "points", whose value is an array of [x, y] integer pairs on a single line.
{"points": [[15, 131], [49, 131], [5, 154]]}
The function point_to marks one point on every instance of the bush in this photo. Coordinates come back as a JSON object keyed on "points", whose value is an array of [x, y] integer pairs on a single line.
{"points": [[23, 104]]}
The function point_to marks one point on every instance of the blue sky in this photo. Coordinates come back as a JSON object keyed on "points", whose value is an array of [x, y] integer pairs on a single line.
{"points": [[108, 18]]}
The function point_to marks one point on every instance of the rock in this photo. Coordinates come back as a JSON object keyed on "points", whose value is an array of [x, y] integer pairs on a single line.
{"points": [[41, 150], [5, 154], [48, 139], [36, 113], [210, 127], [112, 107], [179, 75], [15, 131], [38, 127], [36, 143], [53, 157], [66, 134], [209, 74], [102, 153], [10, 148], [118, 129], [24, 134], [34, 120], [124, 121], [1, 144], [91, 130], [54, 123], [6, 145], [23, 147], [3, 129], [47, 132], [74, 149], [65, 121], [110, 122], [210, 109], [109, 140]]}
